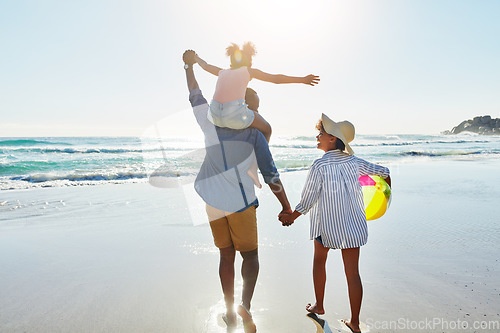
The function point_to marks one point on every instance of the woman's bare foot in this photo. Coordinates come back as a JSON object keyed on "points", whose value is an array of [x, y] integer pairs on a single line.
{"points": [[315, 308], [352, 327]]}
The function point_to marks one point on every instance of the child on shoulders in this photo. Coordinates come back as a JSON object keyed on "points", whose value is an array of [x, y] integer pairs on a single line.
{"points": [[228, 108]]}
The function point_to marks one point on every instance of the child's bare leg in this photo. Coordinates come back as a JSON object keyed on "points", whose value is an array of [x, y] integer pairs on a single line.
{"points": [[319, 277], [351, 259], [262, 125]]}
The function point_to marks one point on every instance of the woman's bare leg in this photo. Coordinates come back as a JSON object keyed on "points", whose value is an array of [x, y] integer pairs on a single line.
{"points": [[319, 277], [351, 260]]}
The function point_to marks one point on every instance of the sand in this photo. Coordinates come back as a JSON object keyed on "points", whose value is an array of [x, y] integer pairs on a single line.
{"points": [[127, 258]]}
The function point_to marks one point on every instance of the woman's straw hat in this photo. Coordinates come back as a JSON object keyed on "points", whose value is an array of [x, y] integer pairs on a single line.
{"points": [[343, 130]]}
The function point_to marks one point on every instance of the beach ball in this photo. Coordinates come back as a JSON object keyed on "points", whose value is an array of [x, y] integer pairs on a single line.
{"points": [[376, 196]]}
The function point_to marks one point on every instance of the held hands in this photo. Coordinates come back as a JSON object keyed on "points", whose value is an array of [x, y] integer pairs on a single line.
{"points": [[285, 213], [190, 57], [311, 79], [287, 218]]}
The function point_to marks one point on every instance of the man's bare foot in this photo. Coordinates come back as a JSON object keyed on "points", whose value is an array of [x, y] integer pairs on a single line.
{"points": [[352, 327], [248, 324], [315, 309], [230, 319]]}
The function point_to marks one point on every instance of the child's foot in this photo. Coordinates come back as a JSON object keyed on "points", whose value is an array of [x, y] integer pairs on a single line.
{"points": [[248, 324], [352, 327], [315, 308], [252, 173]]}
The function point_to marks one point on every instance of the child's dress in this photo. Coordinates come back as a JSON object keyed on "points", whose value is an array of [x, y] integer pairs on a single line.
{"points": [[333, 195], [228, 107]]}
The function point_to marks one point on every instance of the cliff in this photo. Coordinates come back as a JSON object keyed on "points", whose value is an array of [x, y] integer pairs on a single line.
{"points": [[481, 125]]}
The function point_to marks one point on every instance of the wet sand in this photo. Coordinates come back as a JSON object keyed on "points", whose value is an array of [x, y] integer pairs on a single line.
{"points": [[127, 258]]}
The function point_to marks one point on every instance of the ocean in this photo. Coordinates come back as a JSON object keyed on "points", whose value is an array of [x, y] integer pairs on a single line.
{"points": [[27, 163]]}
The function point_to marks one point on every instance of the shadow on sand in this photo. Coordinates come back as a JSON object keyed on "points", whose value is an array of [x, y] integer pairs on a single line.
{"points": [[321, 324]]}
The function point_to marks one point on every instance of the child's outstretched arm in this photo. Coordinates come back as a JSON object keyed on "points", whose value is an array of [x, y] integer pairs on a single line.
{"points": [[280, 78], [206, 66]]}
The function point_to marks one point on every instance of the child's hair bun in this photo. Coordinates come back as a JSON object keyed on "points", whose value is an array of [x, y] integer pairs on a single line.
{"points": [[241, 57], [249, 49], [231, 49]]}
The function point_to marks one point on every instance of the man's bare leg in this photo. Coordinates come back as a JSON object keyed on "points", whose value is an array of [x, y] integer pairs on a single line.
{"points": [[249, 273], [226, 274], [319, 277]]}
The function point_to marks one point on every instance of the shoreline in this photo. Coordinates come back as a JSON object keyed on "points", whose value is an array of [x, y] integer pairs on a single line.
{"points": [[410, 160]]}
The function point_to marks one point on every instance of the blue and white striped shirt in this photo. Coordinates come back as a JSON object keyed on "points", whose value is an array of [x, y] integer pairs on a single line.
{"points": [[333, 195]]}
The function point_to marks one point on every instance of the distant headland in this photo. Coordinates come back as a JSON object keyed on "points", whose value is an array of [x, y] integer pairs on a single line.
{"points": [[481, 125]]}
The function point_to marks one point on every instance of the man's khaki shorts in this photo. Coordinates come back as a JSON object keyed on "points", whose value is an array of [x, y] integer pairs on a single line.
{"points": [[234, 229]]}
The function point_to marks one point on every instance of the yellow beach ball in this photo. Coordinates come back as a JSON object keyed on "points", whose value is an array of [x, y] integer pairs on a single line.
{"points": [[376, 196]]}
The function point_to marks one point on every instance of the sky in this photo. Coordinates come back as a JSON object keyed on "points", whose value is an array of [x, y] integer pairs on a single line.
{"points": [[114, 68]]}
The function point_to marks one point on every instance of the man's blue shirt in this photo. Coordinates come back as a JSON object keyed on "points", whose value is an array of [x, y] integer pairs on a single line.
{"points": [[224, 181]]}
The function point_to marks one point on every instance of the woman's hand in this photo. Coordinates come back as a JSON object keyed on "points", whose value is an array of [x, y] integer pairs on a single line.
{"points": [[388, 181]]}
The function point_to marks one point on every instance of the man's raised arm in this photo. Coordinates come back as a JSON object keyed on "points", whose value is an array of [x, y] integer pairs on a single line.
{"points": [[189, 58]]}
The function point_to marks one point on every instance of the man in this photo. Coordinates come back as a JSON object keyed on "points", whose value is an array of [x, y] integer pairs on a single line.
{"points": [[226, 185]]}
